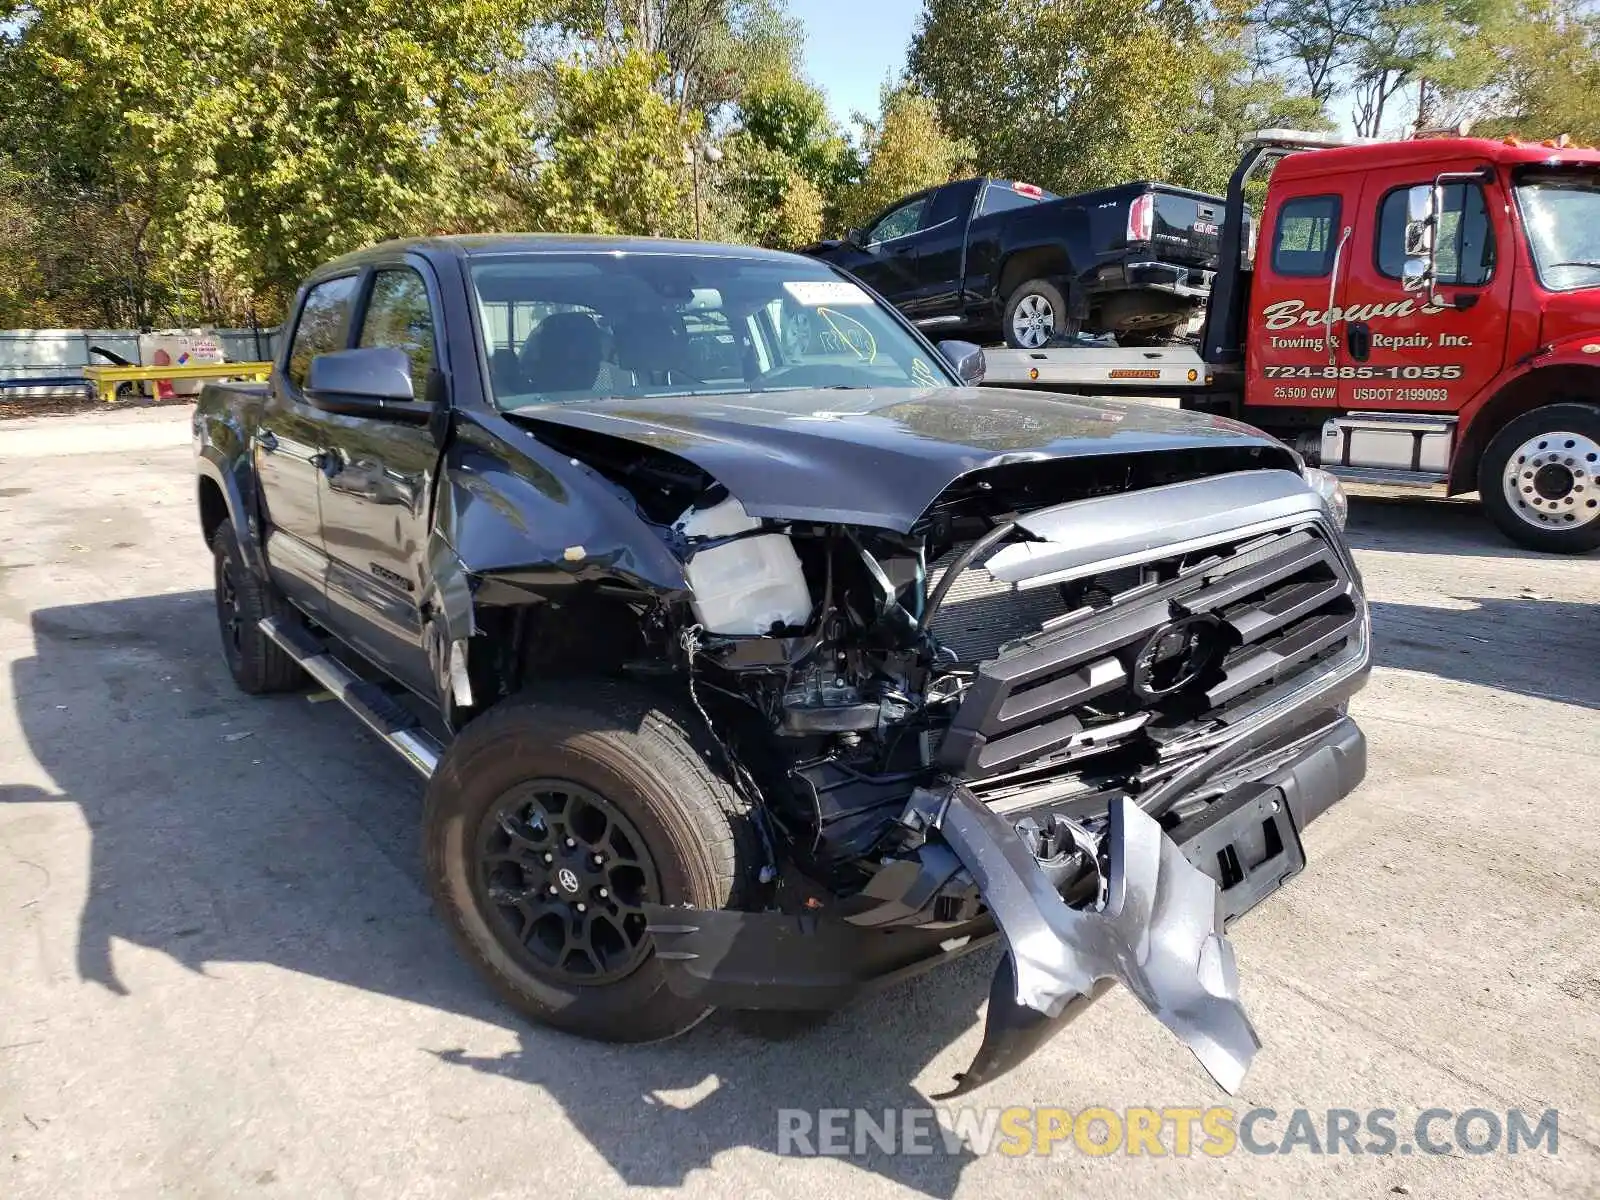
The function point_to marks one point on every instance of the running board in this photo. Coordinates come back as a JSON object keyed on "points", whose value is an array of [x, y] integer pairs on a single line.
{"points": [[375, 708]]}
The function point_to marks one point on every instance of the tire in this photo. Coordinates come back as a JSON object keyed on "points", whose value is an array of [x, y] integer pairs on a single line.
{"points": [[645, 758], [1539, 479], [257, 664], [1041, 310], [1149, 335]]}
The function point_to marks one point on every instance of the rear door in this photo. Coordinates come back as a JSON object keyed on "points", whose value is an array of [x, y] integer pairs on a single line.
{"points": [[1292, 352], [287, 450], [940, 246], [1403, 351], [377, 486]]}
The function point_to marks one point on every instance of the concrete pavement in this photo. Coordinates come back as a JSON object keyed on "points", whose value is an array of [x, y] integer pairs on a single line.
{"points": [[221, 975]]}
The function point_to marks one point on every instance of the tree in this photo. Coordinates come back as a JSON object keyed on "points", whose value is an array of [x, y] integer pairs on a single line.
{"points": [[1074, 94], [1375, 51], [614, 153], [1547, 78], [787, 164], [905, 150], [713, 51], [258, 141]]}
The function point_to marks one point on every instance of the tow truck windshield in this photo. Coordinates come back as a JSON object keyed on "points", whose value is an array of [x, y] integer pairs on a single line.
{"points": [[560, 328], [1561, 212]]}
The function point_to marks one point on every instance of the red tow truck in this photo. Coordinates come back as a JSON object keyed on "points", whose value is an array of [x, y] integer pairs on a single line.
{"points": [[1422, 312]]}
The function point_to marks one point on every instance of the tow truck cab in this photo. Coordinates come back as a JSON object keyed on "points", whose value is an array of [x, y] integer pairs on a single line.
{"points": [[1422, 312]]}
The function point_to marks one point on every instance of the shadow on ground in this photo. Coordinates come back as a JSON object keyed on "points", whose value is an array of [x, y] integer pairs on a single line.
{"points": [[1516, 645], [231, 829], [1428, 525]]}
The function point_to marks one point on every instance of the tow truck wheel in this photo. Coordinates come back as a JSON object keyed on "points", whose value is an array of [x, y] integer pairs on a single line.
{"points": [[1036, 315], [1540, 479], [257, 664], [552, 819]]}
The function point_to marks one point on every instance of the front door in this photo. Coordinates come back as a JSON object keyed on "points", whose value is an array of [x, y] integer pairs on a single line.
{"points": [[888, 264], [376, 490], [1404, 351], [287, 448]]}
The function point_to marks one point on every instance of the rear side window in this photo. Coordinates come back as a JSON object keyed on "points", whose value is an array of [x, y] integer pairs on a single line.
{"points": [[1304, 240], [324, 319], [398, 314], [1001, 197], [1465, 252]]}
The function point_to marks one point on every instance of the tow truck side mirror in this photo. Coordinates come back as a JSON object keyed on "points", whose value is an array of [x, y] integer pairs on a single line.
{"points": [[1417, 272], [1416, 275]]}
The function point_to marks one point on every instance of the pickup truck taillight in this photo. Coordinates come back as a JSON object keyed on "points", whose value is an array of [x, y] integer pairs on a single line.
{"points": [[1141, 215]]}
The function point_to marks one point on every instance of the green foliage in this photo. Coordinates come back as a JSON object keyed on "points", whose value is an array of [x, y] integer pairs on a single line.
{"points": [[260, 138], [615, 153], [905, 150], [1070, 94], [1547, 76], [787, 164]]}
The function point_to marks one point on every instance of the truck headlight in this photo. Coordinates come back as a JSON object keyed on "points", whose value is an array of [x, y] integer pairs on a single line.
{"points": [[1327, 487]]}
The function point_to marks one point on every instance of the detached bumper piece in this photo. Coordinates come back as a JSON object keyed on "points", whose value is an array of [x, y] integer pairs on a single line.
{"points": [[1157, 930]]}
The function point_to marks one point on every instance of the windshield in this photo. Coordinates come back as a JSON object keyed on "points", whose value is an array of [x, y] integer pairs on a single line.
{"points": [[569, 327], [1561, 212]]}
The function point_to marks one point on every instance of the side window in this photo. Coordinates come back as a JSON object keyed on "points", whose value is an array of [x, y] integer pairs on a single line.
{"points": [[1465, 253], [899, 222], [946, 206], [398, 315], [1303, 243], [324, 317], [1000, 197]]}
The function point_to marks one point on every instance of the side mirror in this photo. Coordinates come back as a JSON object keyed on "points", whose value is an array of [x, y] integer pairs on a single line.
{"points": [[856, 238], [1416, 275], [1420, 214], [965, 359], [371, 381]]}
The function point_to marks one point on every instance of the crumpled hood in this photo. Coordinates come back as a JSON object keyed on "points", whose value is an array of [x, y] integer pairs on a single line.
{"points": [[879, 457]]}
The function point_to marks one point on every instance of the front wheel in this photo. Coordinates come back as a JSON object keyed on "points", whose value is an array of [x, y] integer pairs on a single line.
{"points": [[1036, 316], [552, 820], [1538, 479]]}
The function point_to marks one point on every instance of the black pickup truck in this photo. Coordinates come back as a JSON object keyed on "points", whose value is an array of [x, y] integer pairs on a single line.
{"points": [[993, 256], [750, 675]]}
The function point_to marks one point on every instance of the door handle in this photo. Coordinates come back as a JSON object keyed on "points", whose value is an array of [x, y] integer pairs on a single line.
{"points": [[1358, 340], [267, 440]]}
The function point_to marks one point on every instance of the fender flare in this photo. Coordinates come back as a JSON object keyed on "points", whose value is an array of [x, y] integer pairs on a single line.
{"points": [[211, 464], [1569, 373]]}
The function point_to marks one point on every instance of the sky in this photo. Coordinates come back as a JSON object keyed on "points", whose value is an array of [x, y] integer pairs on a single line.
{"points": [[852, 46]]}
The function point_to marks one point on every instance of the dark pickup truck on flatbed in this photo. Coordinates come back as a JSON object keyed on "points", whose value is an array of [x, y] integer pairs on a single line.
{"points": [[990, 256], [752, 675]]}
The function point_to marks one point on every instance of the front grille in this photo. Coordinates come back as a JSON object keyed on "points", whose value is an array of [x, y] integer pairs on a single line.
{"points": [[1196, 637], [980, 614]]}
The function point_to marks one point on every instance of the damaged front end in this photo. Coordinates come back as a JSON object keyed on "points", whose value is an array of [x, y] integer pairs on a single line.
{"points": [[1084, 708]]}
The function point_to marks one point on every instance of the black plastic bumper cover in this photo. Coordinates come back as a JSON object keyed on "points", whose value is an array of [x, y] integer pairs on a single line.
{"points": [[1247, 842]]}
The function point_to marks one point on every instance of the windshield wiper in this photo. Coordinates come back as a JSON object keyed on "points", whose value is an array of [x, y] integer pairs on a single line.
{"points": [[1578, 262]]}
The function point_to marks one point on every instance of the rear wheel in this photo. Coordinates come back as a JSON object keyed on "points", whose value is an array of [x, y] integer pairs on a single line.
{"points": [[1538, 479], [256, 663], [1036, 316], [552, 820]]}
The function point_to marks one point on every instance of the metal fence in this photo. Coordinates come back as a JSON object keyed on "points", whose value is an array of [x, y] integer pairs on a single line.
{"points": [[56, 357]]}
